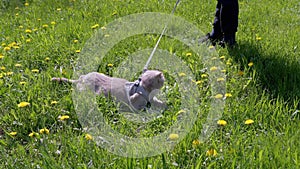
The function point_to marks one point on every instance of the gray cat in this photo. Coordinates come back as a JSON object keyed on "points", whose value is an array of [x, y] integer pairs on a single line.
{"points": [[138, 95]]}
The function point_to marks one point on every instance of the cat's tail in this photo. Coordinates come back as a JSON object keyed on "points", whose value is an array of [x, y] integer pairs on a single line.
{"points": [[62, 79]]}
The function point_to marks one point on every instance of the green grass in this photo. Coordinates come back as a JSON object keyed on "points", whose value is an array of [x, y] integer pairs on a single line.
{"points": [[267, 92]]}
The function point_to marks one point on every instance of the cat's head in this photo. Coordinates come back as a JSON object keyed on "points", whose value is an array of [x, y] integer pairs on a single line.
{"points": [[152, 79]]}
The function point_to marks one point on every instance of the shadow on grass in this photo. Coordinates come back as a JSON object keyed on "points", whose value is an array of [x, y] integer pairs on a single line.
{"points": [[278, 74]]}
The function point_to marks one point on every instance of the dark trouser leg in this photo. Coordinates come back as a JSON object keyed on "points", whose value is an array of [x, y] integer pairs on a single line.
{"points": [[229, 19], [216, 33]]}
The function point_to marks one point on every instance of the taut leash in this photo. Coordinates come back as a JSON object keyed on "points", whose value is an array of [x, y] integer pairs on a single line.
{"points": [[155, 47]]}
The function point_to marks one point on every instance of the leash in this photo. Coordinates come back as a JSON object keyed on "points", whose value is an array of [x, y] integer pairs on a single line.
{"points": [[136, 86], [155, 47]]}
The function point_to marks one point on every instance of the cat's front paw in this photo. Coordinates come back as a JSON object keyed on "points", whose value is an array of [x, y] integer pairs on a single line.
{"points": [[159, 104], [163, 105]]}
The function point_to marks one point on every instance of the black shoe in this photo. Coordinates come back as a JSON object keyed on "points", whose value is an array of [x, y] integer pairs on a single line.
{"points": [[209, 38], [228, 40]]}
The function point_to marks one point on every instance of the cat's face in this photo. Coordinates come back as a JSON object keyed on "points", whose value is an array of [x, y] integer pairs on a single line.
{"points": [[153, 79]]}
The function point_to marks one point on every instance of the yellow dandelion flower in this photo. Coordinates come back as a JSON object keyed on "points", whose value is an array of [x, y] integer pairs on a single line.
{"points": [[9, 73], [250, 64], [28, 40], [181, 74], [204, 75], [45, 26], [188, 54], [44, 131], [7, 48], [3, 68], [241, 73], [32, 134], [21, 27], [77, 51], [220, 79], [107, 35], [23, 104], [13, 133], [173, 136], [17, 14], [199, 82], [249, 121], [35, 70], [211, 152], [222, 57], [95, 26], [75, 41], [58, 9], [47, 59], [16, 47], [18, 65], [258, 38], [228, 62], [22, 83], [196, 143], [218, 96], [26, 4], [211, 47], [110, 65], [39, 19], [223, 71], [12, 44], [35, 29], [28, 31], [214, 68], [222, 122], [228, 95], [64, 117], [88, 137], [53, 23], [1, 75], [54, 102], [3, 44], [1, 56]]}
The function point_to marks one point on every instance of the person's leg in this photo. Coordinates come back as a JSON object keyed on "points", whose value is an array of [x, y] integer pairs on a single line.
{"points": [[225, 23], [216, 33], [229, 20]]}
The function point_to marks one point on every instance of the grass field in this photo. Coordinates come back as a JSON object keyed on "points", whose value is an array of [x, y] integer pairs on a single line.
{"points": [[39, 127]]}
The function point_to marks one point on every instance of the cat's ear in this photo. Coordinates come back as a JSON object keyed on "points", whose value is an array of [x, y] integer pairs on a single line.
{"points": [[158, 74]]}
